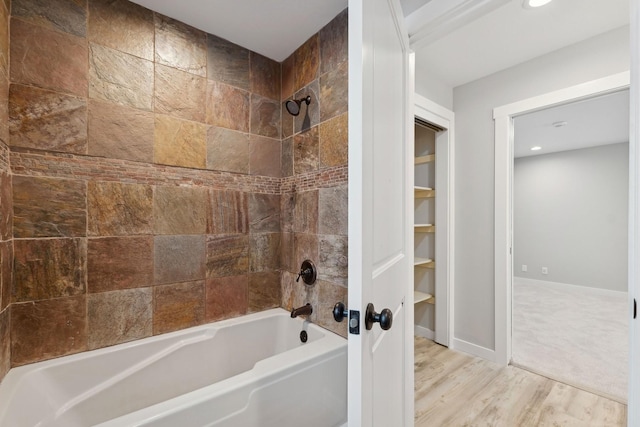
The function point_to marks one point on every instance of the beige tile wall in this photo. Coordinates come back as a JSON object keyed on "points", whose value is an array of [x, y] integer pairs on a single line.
{"points": [[314, 167], [6, 231], [155, 181]]}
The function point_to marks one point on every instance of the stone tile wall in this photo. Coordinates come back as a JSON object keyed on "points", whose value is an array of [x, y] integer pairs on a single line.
{"points": [[314, 170], [6, 233], [157, 183], [128, 218]]}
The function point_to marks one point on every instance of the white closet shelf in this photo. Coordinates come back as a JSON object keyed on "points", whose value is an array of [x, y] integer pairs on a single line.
{"points": [[421, 297], [425, 159], [423, 192], [424, 228], [424, 262]]}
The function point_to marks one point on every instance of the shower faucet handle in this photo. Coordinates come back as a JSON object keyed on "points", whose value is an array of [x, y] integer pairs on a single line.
{"points": [[304, 272], [307, 272]]}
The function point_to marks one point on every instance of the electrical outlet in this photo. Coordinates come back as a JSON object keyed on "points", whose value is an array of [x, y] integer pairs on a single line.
{"points": [[545, 270], [524, 267]]}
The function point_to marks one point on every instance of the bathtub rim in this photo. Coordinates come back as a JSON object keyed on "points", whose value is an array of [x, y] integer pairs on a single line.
{"points": [[196, 397], [9, 385]]}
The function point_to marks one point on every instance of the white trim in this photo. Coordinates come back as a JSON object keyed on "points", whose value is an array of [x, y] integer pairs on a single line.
{"points": [[474, 349], [568, 286], [633, 408], [398, 18], [433, 112], [503, 264], [408, 341], [428, 110], [436, 19], [356, 250], [423, 332], [503, 184], [585, 90]]}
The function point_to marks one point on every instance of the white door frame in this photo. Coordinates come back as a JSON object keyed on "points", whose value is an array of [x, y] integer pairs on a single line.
{"points": [[503, 221], [429, 111], [633, 409]]}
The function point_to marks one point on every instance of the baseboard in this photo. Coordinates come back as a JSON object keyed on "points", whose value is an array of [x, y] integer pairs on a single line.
{"points": [[423, 332], [558, 285], [474, 349]]}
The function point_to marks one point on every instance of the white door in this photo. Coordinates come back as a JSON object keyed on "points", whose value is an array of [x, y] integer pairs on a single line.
{"points": [[380, 244], [633, 410]]}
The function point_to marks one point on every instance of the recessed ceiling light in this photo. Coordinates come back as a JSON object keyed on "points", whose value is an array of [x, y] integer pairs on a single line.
{"points": [[530, 4], [536, 148]]}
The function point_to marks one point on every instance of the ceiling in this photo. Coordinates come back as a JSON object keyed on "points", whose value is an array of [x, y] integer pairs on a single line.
{"points": [[456, 42], [596, 121], [510, 35], [273, 28]]}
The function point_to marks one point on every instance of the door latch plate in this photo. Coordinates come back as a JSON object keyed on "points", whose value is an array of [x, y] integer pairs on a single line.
{"points": [[354, 322]]}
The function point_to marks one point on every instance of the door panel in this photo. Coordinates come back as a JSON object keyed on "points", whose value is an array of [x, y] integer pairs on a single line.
{"points": [[633, 410], [380, 248]]}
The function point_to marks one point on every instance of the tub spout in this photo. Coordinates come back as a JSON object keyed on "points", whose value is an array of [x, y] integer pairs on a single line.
{"points": [[305, 310]]}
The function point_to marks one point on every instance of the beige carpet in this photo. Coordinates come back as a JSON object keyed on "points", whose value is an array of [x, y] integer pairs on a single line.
{"points": [[572, 334]]}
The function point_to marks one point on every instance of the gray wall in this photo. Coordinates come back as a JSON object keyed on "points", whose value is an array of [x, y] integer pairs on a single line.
{"points": [[473, 105], [570, 215], [433, 89]]}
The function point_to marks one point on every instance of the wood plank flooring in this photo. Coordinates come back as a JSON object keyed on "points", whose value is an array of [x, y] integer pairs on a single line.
{"points": [[455, 389]]}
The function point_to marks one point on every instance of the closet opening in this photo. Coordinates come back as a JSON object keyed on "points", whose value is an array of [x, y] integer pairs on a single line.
{"points": [[433, 222]]}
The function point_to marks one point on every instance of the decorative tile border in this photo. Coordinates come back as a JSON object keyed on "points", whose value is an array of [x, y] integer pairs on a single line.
{"points": [[61, 165], [31, 163], [4, 157], [329, 177]]}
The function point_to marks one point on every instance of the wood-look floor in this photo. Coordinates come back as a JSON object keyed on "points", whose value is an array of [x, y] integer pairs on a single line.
{"points": [[455, 389]]}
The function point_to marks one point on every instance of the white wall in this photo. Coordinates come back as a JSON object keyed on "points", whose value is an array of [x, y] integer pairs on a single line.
{"points": [[570, 215], [473, 105], [433, 89]]}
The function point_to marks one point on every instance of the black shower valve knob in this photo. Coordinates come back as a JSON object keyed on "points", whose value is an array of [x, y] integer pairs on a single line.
{"points": [[307, 272], [304, 273]]}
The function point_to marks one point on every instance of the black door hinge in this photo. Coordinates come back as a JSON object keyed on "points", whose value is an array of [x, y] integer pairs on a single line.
{"points": [[635, 311]]}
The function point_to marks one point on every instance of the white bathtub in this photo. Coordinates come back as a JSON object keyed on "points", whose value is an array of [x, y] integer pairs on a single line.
{"points": [[243, 372]]}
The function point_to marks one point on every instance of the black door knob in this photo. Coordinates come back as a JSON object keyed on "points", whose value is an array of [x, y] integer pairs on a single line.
{"points": [[385, 318], [339, 312]]}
